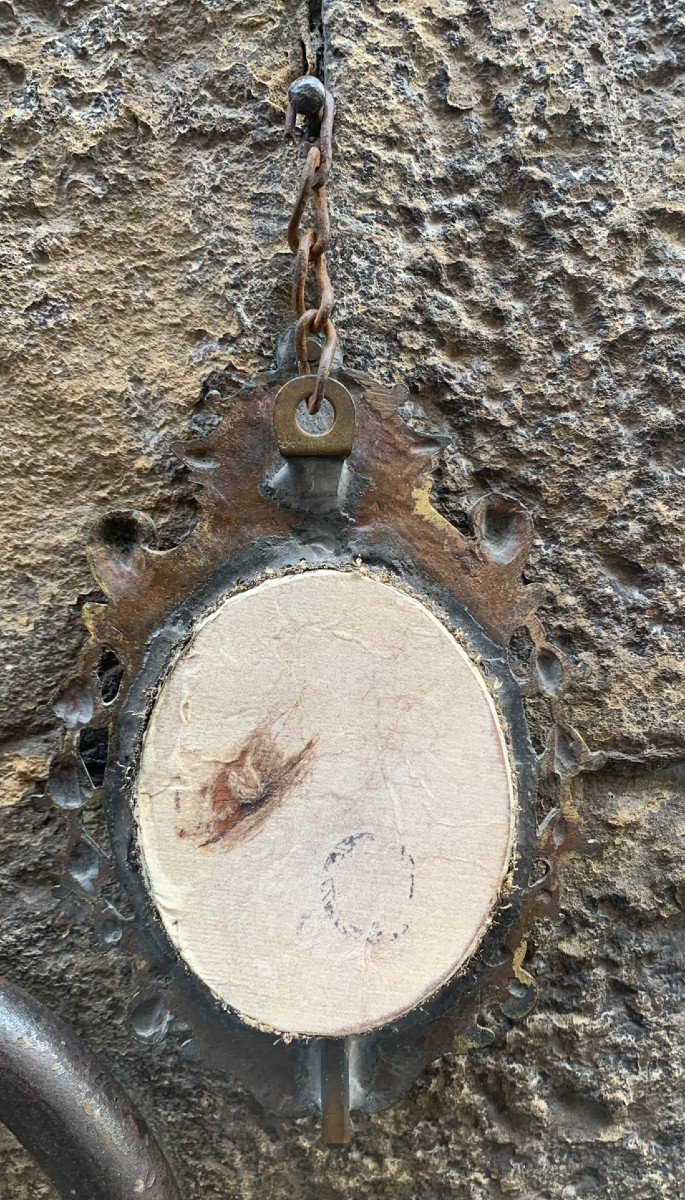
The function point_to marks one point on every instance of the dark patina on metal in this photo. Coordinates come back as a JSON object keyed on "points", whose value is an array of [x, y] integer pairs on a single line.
{"points": [[260, 514], [309, 98], [69, 1112]]}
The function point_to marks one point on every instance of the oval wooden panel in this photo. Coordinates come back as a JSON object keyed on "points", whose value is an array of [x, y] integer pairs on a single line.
{"points": [[325, 804]]}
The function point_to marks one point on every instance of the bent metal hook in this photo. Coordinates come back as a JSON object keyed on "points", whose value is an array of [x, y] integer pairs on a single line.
{"points": [[69, 1112]]}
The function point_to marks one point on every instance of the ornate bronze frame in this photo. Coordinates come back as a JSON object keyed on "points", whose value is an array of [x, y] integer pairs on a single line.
{"points": [[260, 513]]}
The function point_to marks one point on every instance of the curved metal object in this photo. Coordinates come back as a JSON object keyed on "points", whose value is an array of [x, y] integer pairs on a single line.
{"points": [[70, 1113]]}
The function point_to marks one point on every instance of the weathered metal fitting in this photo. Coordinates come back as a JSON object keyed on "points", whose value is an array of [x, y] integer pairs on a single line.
{"points": [[307, 95], [69, 1112], [286, 356], [296, 442]]}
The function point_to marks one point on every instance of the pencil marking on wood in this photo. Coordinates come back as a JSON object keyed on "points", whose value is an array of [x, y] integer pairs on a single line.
{"points": [[344, 902]]}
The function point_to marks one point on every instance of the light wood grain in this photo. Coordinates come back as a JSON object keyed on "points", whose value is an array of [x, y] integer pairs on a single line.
{"points": [[325, 804]]}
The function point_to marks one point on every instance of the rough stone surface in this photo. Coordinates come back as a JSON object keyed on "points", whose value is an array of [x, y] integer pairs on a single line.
{"points": [[510, 236]]}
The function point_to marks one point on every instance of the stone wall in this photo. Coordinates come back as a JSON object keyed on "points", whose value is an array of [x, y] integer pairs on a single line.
{"points": [[509, 242]]}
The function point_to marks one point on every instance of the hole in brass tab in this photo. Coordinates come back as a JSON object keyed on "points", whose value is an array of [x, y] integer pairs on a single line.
{"points": [[315, 423]]}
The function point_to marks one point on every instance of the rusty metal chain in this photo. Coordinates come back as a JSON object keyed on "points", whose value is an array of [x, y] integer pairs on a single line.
{"points": [[309, 98]]}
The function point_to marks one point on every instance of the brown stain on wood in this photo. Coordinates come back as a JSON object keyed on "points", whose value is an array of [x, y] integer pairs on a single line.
{"points": [[248, 787]]}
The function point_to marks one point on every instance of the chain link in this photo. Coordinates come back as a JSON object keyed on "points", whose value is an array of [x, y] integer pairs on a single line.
{"points": [[309, 98]]}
